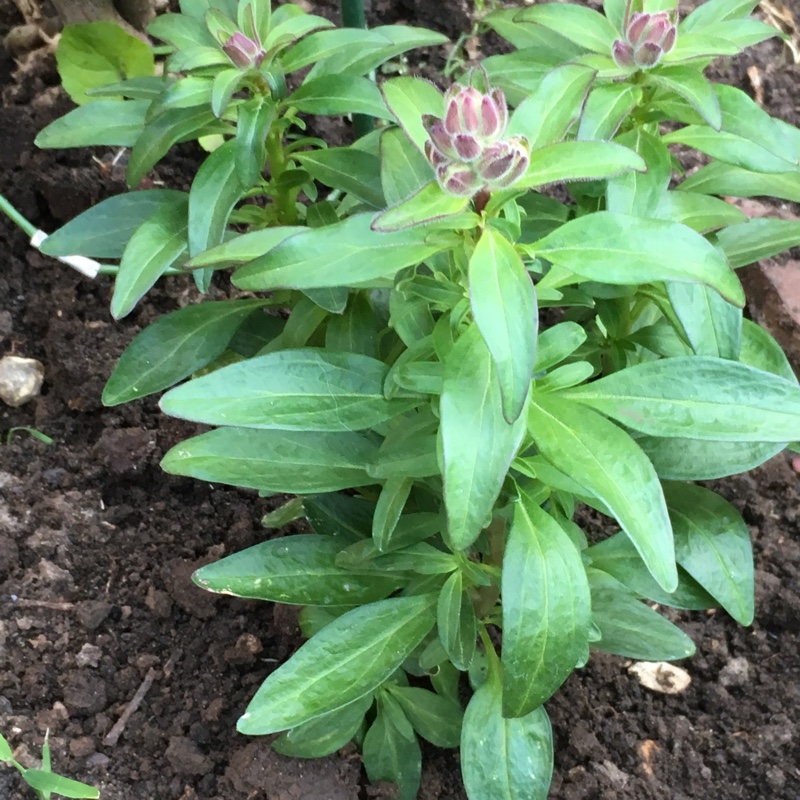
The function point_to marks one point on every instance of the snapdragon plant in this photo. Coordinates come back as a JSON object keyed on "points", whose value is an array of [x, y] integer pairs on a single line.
{"points": [[443, 362]]}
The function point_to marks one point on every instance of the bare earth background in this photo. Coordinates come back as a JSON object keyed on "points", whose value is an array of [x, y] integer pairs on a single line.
{"points": [[97, 545]]}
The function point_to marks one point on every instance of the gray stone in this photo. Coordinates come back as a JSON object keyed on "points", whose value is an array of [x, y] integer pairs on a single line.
{"points": [[20, 379]]}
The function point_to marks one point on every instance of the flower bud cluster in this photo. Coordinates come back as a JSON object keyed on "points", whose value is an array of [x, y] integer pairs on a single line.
{"points": [[647, 38], [243, 51], [467, 147]]}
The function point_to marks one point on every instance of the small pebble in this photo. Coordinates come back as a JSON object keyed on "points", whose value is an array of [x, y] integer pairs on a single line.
{"points": [[20, 380], [735, 673]]}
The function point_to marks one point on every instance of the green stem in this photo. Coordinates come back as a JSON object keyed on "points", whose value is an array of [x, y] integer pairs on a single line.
{"points": [[487, 596], [284, 200], [354, 16], [16, 217]]}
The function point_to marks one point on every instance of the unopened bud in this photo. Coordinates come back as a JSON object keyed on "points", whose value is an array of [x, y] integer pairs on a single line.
{"points": [[243, 51], [647, 38], [622, 53], [458, 179]]}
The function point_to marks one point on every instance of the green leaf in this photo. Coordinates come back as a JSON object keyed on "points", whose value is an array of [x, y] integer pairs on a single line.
{"points": [[404, 170], [682, 459], [758, 239], [689, 83], [323, 44], [627, 250], [103, 230], [503, 304], [547, 114], [147, 88], [760, 350], [6, 753], [339, 515], [558, 343], [700, 212], [163, 131], [607, 462], [215, 191], [504, 759], [712, 543], [347, 659], [430, 203], [581, 25], [630, 628], [293, 462], [46, 782], [391, 502], [157, 244], [409, 99], [226, 83], [300, 570], [530, 36], [174, 347], [458, 627], [113, 123], [392, 756], [353, 171], [694, 47], [181, 31], [639, 193], [435, 718], [709, 398], [254, 18], [326, 734], [478, 444], [345, 254], [606, 108], [339, 94], [617, 557], [241, 249], [713, 12], [255, 120], [546, 609], [578, 161], [98, 53], [303, 390], [725, 179], [712, 326]]}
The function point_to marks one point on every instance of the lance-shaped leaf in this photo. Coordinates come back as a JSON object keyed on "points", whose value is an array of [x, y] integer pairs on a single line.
{"points": [[503, 304], [404, 169], [712, 326], [689, 83], [305, 389], [344, 254], [546, 609], [478, 444], [435, 718], [545, 116], [339, 94], [242, 249], [578, 161], [726, 179], [391, 751], [504, 759], [455, 618], [45, 781], [103, 230], [627, 250], [158, 244], [712, 543], [174, 347], [700, 212], [293, 462], [581, 25], [430, 203], [606, 107], [758, 239], [609, 465], [640, 193], [300, 570], [323, 44], [348, 169], [113, 123], [699, 396], [760, 350], [409, 99], [710, 14], [347, 659], [630, 628], [326, 734]]}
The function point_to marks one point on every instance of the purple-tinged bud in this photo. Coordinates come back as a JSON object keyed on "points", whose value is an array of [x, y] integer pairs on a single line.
{"points": [[504, 162], [470, 103], [623, 54], [434, 156], [458, 179], [648, 55], [668, 42], [636, 27], [243, 51], [440, 138], [467, 146], [515, 173], [658, 29]]}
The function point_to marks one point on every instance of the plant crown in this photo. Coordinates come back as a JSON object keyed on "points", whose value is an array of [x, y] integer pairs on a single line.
{"points": [[385, 362]]}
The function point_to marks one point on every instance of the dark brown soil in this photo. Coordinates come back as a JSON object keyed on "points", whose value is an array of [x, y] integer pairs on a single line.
{"points": [[97, 546]]}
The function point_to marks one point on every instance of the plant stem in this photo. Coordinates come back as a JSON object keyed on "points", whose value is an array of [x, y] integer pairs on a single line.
{"points": [[487, 596], [16, 217], [354, 16], [284, 200]]}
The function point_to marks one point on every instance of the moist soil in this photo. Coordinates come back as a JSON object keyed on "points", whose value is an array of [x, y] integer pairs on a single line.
{"points": [[97, 546]]}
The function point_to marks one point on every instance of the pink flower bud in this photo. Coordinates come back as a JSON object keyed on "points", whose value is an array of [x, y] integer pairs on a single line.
{"points": [[434, 156], [504, 162], [648, 55], [458, 180], [668, 42], [470, 103], [243, 51], [467, 146], [636, 27], [622, 53]]}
